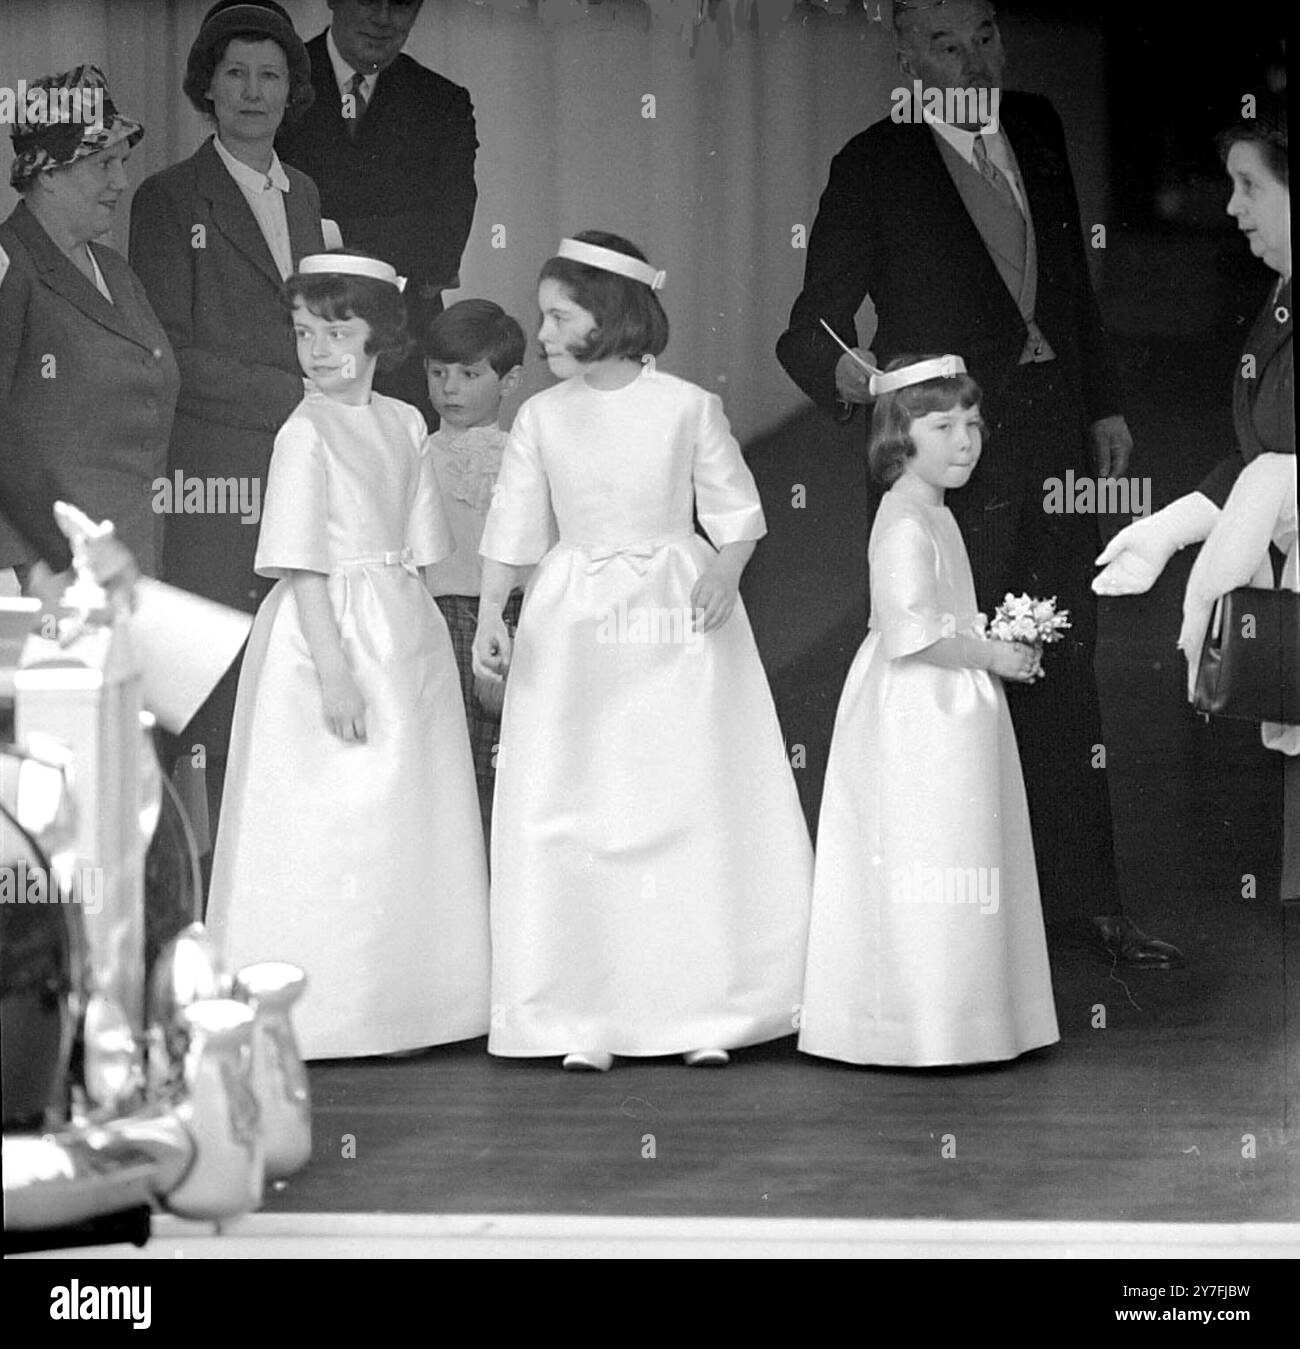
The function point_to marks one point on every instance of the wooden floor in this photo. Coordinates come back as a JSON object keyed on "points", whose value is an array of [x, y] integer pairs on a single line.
{"points": [[1147, 1119]]}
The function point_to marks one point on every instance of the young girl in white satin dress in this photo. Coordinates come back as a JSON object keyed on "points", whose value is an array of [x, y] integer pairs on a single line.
{"points": [[350, 840], [651, 868], [927, 944]]}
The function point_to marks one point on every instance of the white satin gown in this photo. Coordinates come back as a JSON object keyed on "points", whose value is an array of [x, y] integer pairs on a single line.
{"points": [[651, 869], [927, 944], [362, 863]]}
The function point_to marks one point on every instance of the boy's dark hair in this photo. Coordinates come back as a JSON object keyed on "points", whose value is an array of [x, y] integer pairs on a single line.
{"points": [[630, 321], [892, 417], [341, 295], [475, 330]]}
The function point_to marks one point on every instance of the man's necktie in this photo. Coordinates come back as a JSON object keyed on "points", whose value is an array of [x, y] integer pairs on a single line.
{"points": [[357, 91], [990, 172]]}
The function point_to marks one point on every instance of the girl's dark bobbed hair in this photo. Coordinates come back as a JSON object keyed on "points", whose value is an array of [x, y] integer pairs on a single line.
{"points": [[341, 295], [892, 417], [630, 321]]}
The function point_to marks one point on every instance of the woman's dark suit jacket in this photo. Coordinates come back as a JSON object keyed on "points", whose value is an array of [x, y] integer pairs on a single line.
{"points": [[1263, 395], [87, 392], [197, 247]]}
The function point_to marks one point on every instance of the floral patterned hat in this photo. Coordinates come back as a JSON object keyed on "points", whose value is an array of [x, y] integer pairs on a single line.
{"points": [[63, 118]]}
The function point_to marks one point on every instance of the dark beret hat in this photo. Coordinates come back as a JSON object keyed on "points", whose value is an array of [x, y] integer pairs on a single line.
{"points": [[228, 17]]}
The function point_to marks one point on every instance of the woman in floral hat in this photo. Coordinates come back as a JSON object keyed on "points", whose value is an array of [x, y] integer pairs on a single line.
{"points": [[88, 381]]}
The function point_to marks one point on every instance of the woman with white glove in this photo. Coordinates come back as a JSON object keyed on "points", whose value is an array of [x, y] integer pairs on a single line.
{"points": [[1249, 501], [1263, 400]]}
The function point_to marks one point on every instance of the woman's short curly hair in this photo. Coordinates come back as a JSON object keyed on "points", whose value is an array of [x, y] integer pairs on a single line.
{"points": [[334, 296], [892, 417], [1267, 129]]}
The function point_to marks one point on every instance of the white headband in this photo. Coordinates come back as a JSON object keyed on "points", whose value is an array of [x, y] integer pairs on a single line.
{"points": [[348, 264], [940, 367], [609, 260]]}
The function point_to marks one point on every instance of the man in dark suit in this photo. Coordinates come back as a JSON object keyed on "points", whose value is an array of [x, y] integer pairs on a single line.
{"points": [[970, 243], [391, 145]]}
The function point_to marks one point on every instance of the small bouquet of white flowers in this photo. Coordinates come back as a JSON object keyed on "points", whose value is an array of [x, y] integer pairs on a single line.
{"points": [[1020, 618]]}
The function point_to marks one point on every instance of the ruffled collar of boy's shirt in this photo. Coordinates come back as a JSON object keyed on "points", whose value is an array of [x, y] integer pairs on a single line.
{"points": [[468, 438], [471, 460]]}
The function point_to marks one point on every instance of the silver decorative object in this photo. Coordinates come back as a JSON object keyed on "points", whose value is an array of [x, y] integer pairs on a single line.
{"points": [[161, 1106], [113, 1068], [279, 1075], [188, 970], [221, 1113]]}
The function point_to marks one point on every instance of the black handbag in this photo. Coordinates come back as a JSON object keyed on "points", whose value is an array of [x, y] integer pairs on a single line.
{"points": [[1250, 662]]}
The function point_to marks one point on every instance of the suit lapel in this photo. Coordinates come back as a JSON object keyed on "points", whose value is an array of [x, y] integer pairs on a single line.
{"points": [[1276, 334], [322, 78], [144, 327], [232, 214], [1266, 340], [330, 100], [304, 226], [385, 92], [1027, 151], [62, 277]]}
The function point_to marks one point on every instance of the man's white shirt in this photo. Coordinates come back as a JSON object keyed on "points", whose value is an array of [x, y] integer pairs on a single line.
{"points": [[995, 142], [343, 72]]}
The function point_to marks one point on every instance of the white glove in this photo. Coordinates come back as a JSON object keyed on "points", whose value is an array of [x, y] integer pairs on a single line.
{"points": [[1138, 553]]}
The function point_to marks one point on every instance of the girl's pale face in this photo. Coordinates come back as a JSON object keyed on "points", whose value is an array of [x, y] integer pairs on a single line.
{"points": [[948, 447], [332, 353], [565, 325], [249, 90], [1261, 206]]}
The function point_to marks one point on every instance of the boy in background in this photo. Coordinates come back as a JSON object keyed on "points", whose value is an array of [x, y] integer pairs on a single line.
{"points": [[473, 355]]}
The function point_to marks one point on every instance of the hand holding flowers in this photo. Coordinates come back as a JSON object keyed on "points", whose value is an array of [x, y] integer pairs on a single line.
{"points": [[1030, 622]]}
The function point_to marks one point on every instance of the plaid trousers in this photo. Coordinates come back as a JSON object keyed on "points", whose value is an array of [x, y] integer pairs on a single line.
{"points": [[461, 613]]}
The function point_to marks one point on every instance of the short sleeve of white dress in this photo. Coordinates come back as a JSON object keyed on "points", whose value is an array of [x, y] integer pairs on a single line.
{"points": [[428, 535], [905, 588], [294, 534], [726, 496], [520, 527]]}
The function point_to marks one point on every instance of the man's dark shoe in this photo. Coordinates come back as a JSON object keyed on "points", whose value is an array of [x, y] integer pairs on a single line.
{"points": [[1128, 944]]}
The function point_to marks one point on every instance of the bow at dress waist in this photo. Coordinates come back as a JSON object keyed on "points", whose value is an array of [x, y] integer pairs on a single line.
{"points": [[394, 557], [637, 555]]}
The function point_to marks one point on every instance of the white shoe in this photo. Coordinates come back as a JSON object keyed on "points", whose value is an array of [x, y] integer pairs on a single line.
{"points": [[707, 1058], [589, 1061]]}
